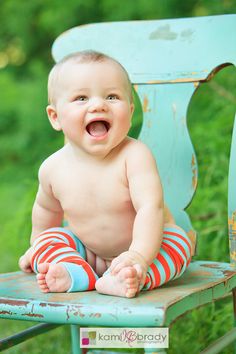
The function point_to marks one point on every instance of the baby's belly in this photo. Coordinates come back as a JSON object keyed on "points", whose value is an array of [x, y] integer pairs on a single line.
{"points": [[103, 244], [106, 238]]}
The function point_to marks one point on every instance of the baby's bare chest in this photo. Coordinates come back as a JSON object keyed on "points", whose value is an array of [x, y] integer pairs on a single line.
{"points": [[84, 191]]}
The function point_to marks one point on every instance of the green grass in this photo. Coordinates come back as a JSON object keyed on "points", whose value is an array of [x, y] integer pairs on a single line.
{"points": [[210, 120], [55, 341]]}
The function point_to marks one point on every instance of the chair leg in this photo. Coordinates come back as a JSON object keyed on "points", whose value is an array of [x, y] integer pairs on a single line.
{"points": [[234, 305], [75, 340], [75, 345]]}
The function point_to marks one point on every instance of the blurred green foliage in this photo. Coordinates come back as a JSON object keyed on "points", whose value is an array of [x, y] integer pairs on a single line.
{"points": [[27, 31]]}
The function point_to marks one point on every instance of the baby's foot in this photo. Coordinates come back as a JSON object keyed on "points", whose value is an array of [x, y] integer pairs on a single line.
{"points": [[125, 283], [53, 278]]}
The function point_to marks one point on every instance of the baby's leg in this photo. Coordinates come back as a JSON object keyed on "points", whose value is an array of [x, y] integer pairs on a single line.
{"points": [[59, 259], [172, 260]]}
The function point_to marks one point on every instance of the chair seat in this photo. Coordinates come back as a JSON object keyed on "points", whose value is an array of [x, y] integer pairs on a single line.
{"points": [[202, 282]]}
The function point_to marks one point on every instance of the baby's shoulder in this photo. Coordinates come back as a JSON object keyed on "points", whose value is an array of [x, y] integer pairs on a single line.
{"points": [[50, 164], [137, 148], [139, 157]]}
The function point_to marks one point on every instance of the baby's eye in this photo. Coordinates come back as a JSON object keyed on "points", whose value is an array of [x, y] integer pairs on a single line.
{"points": [[81, 98], [112, 97]]}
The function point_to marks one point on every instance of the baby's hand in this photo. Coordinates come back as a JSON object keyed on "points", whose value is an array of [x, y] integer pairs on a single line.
{"points": [[24, 261], [130, 258]]}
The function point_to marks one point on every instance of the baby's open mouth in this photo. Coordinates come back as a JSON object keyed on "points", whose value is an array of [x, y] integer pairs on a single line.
{"points": [[98, 128]]}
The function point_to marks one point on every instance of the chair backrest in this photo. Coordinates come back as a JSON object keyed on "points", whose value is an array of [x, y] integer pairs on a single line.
{"points": [[166, 61]]}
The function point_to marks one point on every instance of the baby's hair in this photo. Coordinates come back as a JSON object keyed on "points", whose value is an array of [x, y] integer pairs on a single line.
{"points": [[86, 56]]}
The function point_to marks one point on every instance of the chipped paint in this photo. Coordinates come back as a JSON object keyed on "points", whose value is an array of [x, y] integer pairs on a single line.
{"points": [[201, 273], [194, 178], [193, 238], [193, 161], [149, 123], [145, 105], [6, 313], [33, 315], [211, 265], [232, 222], [194, 172], [228, 272], [14, 302], [232, 237], [187, 34], [163, 33], [55, 305], [76, 311], [233, 257], [174, 109], [67, 313], [179, 80], [95, 315]]}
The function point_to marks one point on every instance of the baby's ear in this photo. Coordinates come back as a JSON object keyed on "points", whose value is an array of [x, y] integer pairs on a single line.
{"points": [[53, 118], [132, 107]]}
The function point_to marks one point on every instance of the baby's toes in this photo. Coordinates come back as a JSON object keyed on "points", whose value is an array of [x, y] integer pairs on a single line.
{"points": [[40, 276], [131, 292], [131, 282], [41, 282], [44, 288]]}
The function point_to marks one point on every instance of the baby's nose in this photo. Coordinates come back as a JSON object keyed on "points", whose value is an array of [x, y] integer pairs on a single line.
{"points": [[98, 104]]}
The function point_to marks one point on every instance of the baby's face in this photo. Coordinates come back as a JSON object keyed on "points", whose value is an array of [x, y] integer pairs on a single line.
{"points": [[92, 105]]}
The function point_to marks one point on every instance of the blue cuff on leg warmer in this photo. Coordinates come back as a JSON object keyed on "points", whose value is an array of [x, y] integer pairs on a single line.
{"points": [[79, 277]]}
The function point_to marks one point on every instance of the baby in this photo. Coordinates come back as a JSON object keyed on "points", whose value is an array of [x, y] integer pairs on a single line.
{"points": [[107, 186]]}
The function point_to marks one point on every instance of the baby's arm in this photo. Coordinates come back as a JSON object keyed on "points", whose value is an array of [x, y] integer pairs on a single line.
{"points": [[147, 198], [46, 213]]}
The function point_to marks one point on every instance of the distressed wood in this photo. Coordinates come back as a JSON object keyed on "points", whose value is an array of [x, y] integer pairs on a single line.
{"points": [[165, 110], [202, 283], [176, 50]]}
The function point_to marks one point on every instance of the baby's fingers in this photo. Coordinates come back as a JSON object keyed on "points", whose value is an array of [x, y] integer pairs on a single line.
{"points": [[117, 268], [139, 270], [115, 262], [27, 269], [24, 265]]}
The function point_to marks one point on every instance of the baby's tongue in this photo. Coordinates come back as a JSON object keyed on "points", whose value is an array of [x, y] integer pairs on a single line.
{"points": [[97, 128]]}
